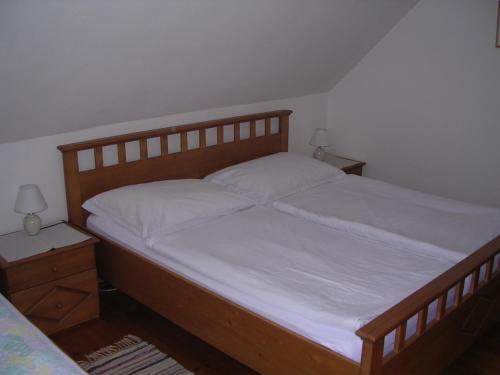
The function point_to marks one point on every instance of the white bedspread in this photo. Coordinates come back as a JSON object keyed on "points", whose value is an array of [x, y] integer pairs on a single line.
{"points": [[402, 216], [307, 277]]}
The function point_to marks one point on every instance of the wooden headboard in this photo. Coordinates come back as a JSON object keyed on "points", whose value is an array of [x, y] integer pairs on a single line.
{"points": [[191, 161]]}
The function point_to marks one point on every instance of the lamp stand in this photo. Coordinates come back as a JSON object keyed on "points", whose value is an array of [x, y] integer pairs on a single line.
{"points": [[319, 153], [32, 224]]}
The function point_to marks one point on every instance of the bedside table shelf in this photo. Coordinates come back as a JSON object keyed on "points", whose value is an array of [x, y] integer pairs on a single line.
{"points": [[55, 289]]}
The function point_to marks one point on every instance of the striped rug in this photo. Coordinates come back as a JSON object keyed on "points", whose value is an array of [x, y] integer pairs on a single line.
{"points": [[131, 355]]}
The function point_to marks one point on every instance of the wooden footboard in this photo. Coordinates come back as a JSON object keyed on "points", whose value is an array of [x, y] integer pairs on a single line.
{"points": [[450, 312]]}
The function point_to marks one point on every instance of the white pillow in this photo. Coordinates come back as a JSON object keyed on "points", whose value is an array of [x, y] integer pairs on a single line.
{"points": [[164, 207], [272, 177]]}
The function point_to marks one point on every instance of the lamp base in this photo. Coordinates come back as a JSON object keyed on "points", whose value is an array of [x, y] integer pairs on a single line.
{"points": [[32, 224], [319, 153]]}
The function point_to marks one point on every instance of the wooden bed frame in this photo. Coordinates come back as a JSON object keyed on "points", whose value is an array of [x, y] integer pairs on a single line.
{"points": [[257, 342]]}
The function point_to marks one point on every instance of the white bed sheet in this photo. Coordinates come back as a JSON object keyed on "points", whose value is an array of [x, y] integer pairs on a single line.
{"points": [[387, 212], [320, 283]]}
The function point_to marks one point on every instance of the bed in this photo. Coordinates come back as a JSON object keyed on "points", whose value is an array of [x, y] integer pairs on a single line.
{"points": [[254, 340], [26, 350]]}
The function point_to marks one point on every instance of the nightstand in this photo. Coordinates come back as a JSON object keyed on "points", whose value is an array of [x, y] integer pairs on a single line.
{"points": [[349, 166], [51, 277]]}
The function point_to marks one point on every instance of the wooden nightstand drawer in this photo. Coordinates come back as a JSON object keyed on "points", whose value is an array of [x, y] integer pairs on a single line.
{"points": [[349, 166], [50, 267], [61, 303], [356, 170]]}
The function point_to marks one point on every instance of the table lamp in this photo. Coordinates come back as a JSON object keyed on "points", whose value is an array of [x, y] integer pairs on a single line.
{"points": [[30, 201], [320, 140]]}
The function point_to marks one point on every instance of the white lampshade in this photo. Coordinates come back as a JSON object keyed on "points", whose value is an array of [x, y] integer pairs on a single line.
{"points": [[29, 200], [320, 138]]}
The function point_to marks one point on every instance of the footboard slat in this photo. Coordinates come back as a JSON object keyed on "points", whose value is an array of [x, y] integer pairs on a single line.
{"points": [[422, 320], [399, 343], [489, 269], [459, 290], [441, 307], [474, 281]]}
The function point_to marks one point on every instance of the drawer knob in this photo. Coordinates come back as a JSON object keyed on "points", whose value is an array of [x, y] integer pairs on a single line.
{"points": [[59, 306], [54, 269]]}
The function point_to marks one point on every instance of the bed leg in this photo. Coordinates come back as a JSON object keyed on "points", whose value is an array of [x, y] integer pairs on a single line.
{"points": [[372, 357]]}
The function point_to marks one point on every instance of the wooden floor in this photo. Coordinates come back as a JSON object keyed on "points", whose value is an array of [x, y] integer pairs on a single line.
{"points": [[121, 315]]}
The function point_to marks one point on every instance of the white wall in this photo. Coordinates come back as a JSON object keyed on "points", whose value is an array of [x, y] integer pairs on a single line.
{"points": [[423, 107], [38, 160]]}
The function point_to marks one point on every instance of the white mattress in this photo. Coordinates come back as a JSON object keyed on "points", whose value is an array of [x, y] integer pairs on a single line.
{"points": [[390, 213], [321, 283]]}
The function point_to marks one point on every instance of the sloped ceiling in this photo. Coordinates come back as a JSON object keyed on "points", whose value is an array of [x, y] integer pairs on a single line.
{"points": [[73, 64]]}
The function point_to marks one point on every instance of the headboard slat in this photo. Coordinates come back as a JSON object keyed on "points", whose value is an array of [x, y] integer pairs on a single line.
{"points": [[164, 145], [98, 157], [184, 141], [253, 130], [236, 131], [72, 182], [122, 156], [202, 138], [143, 144], [283, 125], [188, 163], [220, 134]]}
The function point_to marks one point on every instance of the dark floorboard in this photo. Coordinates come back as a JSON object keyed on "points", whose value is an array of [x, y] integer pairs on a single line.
{"points": [[121, 316]]}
